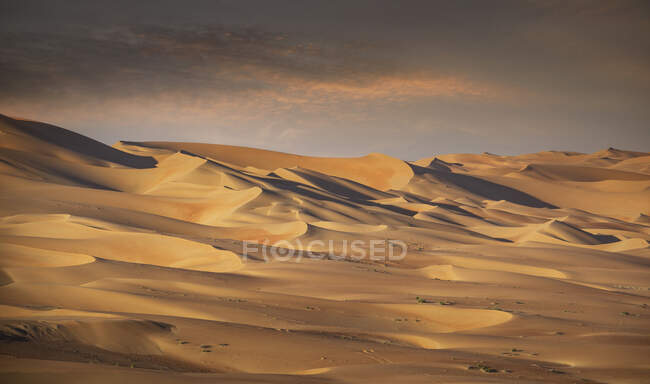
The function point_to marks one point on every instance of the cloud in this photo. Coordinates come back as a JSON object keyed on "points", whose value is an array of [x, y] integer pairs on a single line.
{"points": [[154, 60], [233, 74]]}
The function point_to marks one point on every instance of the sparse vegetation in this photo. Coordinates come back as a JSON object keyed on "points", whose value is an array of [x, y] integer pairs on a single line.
{"points": [[483, 368], [487, 369]]}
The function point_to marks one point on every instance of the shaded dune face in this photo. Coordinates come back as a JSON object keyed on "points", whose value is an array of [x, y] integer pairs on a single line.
{"points": [[53, 139], [143, 262]]}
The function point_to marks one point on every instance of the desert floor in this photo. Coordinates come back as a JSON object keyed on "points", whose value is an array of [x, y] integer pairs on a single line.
{"points": [[126, 264]]}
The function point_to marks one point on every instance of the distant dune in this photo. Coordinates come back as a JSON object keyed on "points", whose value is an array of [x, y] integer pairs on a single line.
{"points": [[142, 262]]}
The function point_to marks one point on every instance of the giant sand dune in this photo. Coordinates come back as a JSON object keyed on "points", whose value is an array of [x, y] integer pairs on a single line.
{"points": [[143, 262]]}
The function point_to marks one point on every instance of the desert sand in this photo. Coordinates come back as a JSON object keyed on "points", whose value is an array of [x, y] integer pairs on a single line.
{"points": [[127, 264]]}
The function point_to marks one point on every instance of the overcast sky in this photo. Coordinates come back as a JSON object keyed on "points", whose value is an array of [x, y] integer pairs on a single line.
{"points": [[335, 78]]}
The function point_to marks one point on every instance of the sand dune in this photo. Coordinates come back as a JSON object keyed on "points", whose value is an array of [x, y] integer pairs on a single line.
{"points": [[22, 256], [143, 262], [375, 170], [577, 173], [559, 230]]}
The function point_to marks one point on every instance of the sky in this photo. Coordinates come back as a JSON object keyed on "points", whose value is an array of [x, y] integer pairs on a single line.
{"points": [[335, 78]]}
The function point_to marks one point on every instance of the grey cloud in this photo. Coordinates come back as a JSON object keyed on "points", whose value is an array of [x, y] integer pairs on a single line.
{"points": [[151, 59]]}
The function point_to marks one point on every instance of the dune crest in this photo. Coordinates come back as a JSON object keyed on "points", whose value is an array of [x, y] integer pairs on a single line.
{"points": [[374, 170]]}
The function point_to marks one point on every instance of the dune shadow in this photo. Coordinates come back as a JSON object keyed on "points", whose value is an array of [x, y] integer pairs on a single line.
{"points": [[483, 188], [607, 239]]}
